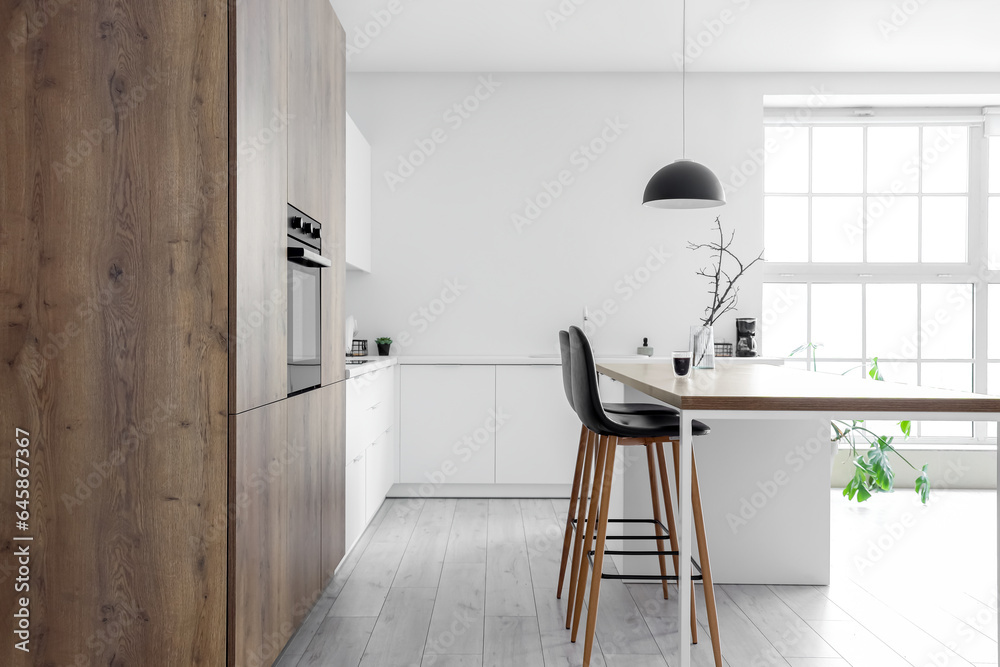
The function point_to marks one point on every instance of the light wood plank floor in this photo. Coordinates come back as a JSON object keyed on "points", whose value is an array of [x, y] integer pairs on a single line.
{"points": [[471, 583]]}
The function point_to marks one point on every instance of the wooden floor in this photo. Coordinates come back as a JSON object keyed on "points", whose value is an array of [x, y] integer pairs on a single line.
{"points": [[462, 583]]}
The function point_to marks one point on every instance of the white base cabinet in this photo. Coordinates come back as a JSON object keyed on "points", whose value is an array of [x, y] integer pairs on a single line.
{"points": [[448, 424], [371, 454], [538, 441], [478, 424]]}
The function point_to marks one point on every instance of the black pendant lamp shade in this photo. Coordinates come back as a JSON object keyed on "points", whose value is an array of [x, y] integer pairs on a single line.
{"points": [[684, 184]]}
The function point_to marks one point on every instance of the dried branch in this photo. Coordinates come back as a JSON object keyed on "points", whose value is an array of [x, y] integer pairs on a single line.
{"points": [[725, 293]]}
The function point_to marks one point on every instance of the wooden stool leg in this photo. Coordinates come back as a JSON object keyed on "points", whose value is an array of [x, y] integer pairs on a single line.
{"points": [[574, 494], [706, 568], [654, 496], [677, 477], [588, 535], [580, 523], [602, 532]]}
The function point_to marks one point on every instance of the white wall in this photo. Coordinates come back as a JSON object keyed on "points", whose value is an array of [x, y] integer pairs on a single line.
{"points": [[451, 219]]}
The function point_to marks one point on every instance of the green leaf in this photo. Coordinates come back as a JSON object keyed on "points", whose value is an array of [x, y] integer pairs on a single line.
{"points": [[904, 426], [874, 372], [881, 467], [923, 485]]}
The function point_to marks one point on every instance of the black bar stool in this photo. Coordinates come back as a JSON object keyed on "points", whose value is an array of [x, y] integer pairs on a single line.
{"points": [[584, 464], [612, 431]]}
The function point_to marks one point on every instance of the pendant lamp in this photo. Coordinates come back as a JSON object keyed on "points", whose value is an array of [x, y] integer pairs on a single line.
{"points": [[684, 183]]}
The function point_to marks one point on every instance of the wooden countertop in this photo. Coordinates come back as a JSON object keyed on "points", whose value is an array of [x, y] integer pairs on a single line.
{"points": [[762, 387]]}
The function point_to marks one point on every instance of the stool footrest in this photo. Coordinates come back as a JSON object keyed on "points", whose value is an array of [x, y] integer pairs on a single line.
{"points": [[645, 577], [664, 536]]}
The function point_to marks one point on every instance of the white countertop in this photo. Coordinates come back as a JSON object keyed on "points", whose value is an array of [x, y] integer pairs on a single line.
{"points": [[374, 363], [554, 359]]}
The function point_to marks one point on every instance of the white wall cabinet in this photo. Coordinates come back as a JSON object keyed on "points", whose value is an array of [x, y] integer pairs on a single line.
{"points": [[538, 441], [448, 424], [359, 199], [371, 455]]}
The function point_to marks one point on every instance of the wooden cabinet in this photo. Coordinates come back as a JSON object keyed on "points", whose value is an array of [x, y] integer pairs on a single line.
{"points": [[359, 200], [313, 96], [538, 440], [334, 245], [261, 598], [259, 131], [447, 424], [180, 501], [332, 517], [113, 312], [304, 483]]}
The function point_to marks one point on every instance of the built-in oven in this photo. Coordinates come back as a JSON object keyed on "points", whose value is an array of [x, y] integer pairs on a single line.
{"points": [[305, 302]]}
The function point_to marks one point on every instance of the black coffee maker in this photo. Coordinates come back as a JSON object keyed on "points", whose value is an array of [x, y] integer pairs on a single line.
{"points": [[746, 336]]}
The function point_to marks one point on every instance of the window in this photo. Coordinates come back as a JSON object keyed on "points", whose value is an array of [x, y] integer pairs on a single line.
{"points": [[882, 239]]}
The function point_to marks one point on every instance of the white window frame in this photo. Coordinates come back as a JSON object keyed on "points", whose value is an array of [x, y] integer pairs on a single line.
{"points": [[975, 271]]}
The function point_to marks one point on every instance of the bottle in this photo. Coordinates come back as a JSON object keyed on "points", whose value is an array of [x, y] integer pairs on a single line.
{"points": [[645, 350]]}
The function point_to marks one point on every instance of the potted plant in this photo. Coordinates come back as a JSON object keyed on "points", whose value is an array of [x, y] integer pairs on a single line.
{"points": [[383, 346], [873, 471], [725, 294]]}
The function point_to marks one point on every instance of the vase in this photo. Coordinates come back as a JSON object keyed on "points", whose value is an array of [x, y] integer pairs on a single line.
{"points": [[702, 343]]}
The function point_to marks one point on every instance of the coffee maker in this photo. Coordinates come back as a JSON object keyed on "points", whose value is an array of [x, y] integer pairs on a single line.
{"points": [[746, 336]]}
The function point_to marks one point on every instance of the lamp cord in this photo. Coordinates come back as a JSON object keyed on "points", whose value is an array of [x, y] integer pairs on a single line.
{"points": [[683, 80]]}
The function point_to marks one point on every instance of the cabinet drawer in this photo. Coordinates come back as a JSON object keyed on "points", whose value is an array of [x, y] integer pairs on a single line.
{"points": [[354, 500], [378, 473]]}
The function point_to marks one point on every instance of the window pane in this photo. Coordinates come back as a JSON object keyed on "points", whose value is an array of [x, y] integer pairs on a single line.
{"points": [[784, 319], [993, 324], [993, 234], [891, 322], [995, 165], [786, 229], [837, 231], [892, 229], [837, 159], [946, 322], [893, 159], [786, 159], [946, 376], [945, 225], [836, 320], [946, 159]]}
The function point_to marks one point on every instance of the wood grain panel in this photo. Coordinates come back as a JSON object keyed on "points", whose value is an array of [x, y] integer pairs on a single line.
{"points": [[311, 104], [762, 387], [305, 500], [333, 462], [258, 236], [335, 244], [113, 285], [262, 597]]}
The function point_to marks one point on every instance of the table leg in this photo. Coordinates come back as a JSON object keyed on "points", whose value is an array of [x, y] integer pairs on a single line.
{"points": [[685, 516]]}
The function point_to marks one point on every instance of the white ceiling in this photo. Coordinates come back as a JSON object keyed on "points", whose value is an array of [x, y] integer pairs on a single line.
{"points": [[644, 35]]}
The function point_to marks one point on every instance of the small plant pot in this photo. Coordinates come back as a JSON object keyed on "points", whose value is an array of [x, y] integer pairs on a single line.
{"points": [[383, 349]]}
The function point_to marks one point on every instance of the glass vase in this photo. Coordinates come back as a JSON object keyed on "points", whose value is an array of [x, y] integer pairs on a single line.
{"points": [[702, 343]]}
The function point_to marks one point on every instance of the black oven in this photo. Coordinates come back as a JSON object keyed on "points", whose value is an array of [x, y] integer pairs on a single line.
{"points": [[305, 302]]}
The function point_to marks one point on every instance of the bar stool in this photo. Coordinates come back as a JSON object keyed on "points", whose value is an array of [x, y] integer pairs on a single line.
{"points": [[612, 431], [584, 462]]}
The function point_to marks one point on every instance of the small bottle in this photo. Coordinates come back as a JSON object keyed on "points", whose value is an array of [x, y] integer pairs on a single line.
{"points": [[645, 350]]}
